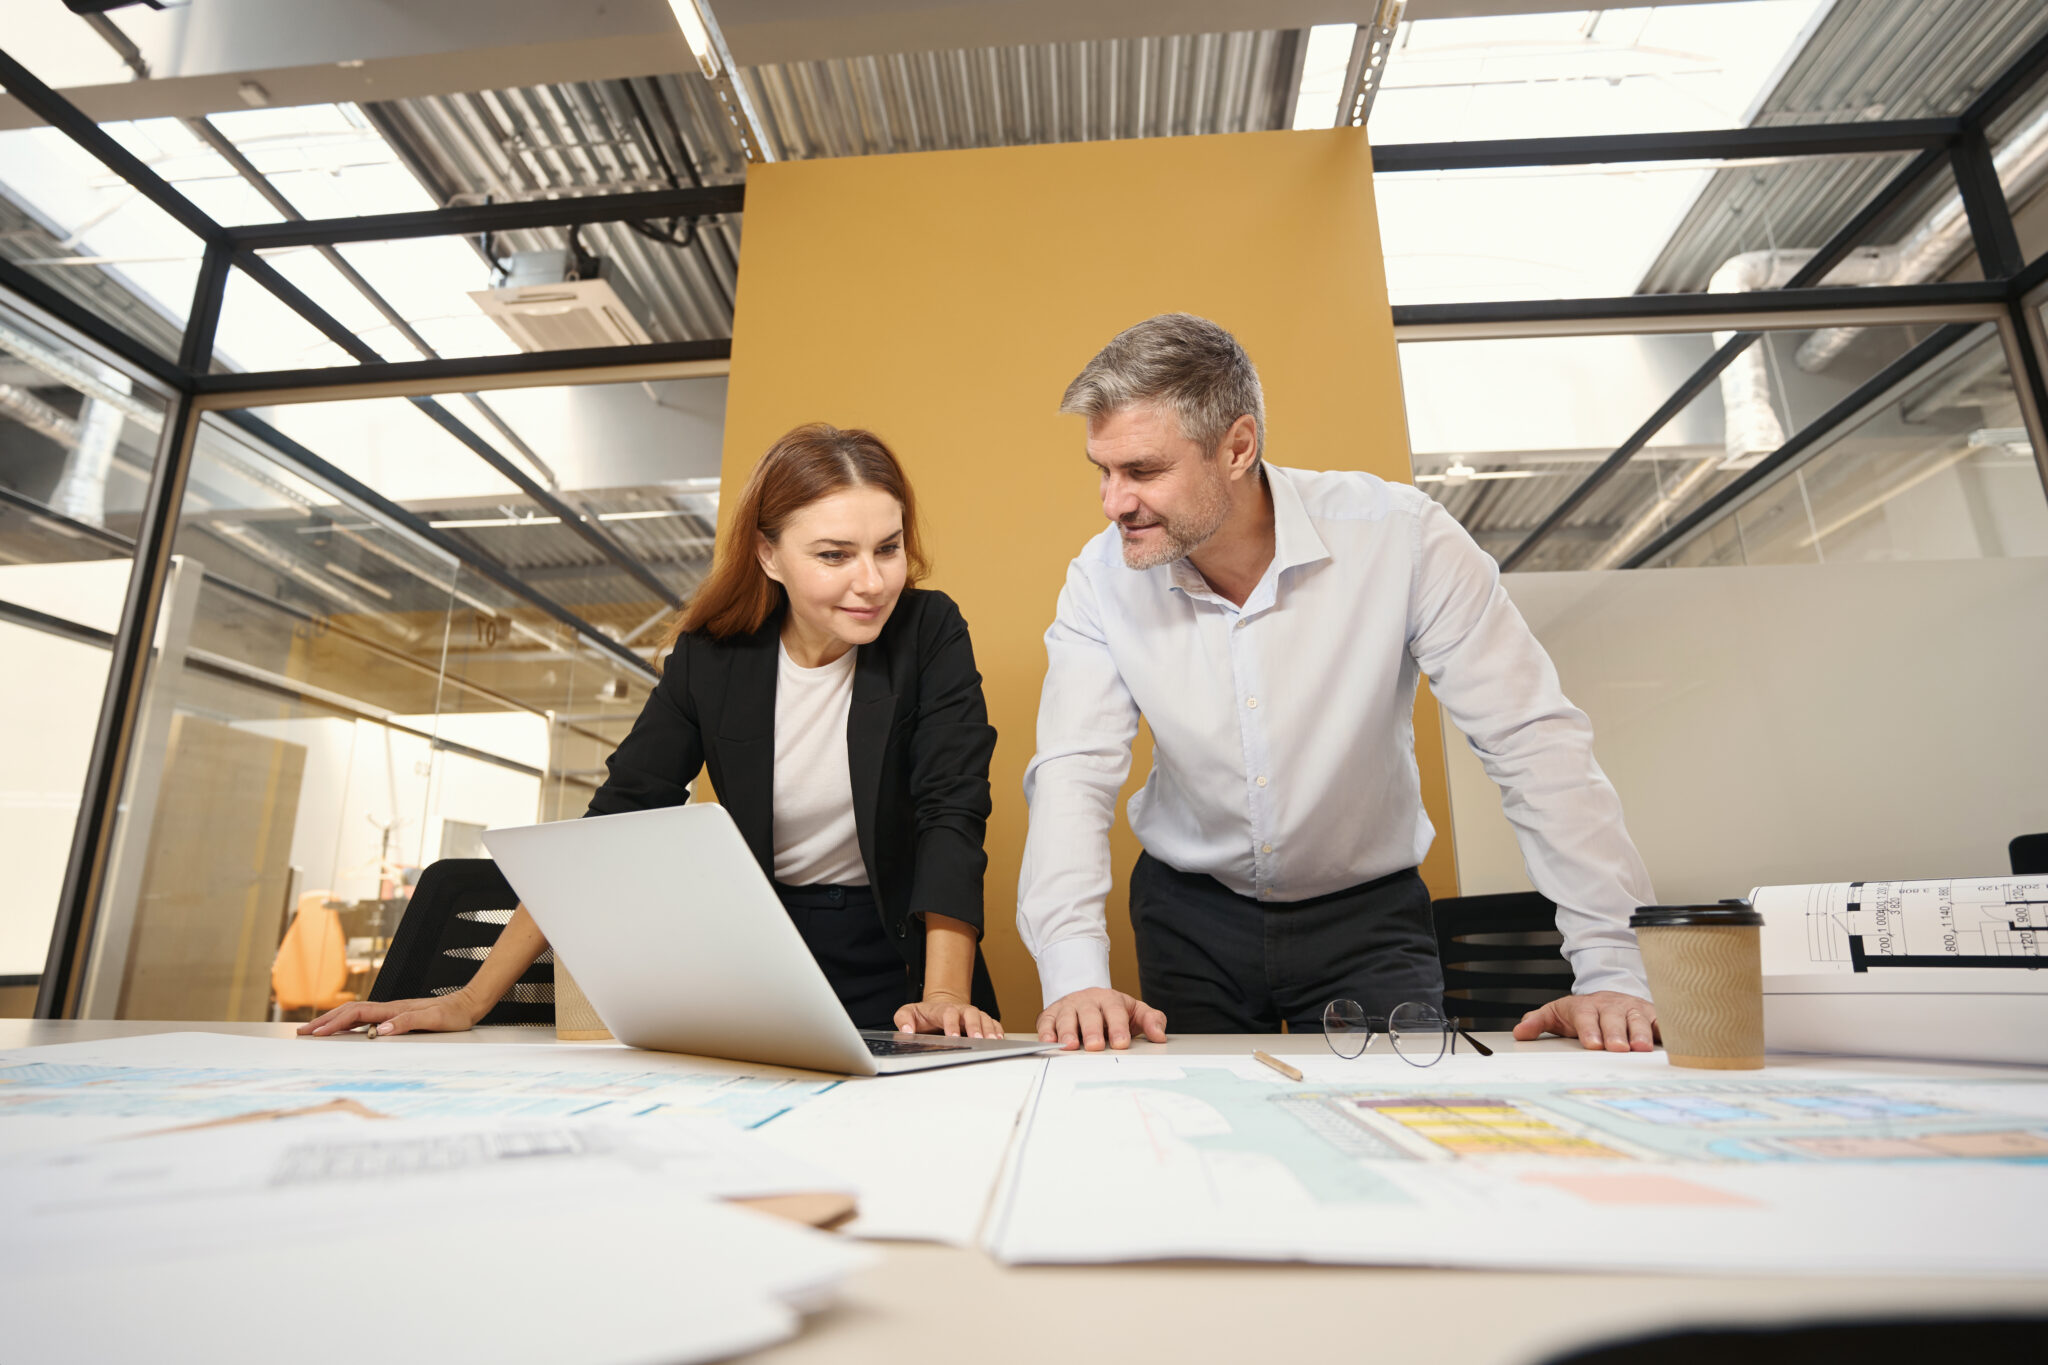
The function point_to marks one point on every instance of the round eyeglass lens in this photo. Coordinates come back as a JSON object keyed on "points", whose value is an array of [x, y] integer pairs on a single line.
{"points": [[1420, 1033], [1344, 1028]]}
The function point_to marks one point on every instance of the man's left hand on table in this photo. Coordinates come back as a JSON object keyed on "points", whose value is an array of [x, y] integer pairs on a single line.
{"points": [[1599, 1019]]}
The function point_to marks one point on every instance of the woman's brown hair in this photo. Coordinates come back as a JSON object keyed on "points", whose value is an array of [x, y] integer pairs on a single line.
{"points": [[812, 462]]}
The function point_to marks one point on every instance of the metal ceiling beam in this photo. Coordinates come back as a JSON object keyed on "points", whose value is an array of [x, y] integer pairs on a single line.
{"points": [[1725, 144], [1705, 308], [466, 220], [1992, 233], [2009, 85], [460, 368]]}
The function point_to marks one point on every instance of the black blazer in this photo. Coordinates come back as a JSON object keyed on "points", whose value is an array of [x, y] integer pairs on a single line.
{"points": [[918, 745]]}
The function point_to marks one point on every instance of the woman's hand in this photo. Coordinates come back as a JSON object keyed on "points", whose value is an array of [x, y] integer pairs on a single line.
{"points": [[450, 1013], [947, 1014]]}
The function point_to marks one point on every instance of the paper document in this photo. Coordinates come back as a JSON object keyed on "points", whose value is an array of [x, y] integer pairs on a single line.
{"points": [[1949, 969], [464, 1240], [924, 1148], [1597, 1163]]}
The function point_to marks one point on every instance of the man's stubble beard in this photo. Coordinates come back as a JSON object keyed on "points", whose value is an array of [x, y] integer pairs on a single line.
{"points": [[1186, 533]]}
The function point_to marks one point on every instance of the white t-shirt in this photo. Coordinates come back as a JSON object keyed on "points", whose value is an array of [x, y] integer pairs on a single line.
{"points": [[815, 841]]}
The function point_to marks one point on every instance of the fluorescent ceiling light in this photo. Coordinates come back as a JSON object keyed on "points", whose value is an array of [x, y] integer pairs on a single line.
{"points": [[1464, 473], [461, 524], [697, 36]]}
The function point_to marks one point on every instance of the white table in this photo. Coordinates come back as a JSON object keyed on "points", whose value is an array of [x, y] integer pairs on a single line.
{"points": [[928, 1301]]}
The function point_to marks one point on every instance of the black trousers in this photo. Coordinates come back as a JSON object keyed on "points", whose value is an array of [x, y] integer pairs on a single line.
{"points": [[1218, 962], [842, 927]]}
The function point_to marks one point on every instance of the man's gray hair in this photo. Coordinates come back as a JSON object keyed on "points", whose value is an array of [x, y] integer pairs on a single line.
{"points": [[1186, 362]]}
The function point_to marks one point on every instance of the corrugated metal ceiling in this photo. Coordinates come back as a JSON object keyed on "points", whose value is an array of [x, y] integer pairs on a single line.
{"points": [[611, 136]]}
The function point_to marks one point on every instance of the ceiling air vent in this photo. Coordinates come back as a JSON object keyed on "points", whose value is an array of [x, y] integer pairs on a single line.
{"points": [[544, 306]]}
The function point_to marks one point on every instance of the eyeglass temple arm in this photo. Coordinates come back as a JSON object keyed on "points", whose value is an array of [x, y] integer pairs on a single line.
{"points": [[1482, 1048]]}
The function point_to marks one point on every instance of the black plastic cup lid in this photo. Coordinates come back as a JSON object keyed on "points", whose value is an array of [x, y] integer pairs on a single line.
{"points": [[1735, 912]]}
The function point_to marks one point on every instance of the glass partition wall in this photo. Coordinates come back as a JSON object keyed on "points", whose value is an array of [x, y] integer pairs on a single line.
{"points": [[339, 698], [1910, 443], [77, 445]]}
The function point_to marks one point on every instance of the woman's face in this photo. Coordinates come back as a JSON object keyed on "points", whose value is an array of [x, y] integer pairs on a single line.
{"points": [[841, 561]]}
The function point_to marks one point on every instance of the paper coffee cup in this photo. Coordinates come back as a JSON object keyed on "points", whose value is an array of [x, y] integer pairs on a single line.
{"points": [[1705, 964]]}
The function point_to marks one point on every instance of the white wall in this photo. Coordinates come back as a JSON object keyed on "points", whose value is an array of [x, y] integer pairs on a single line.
{"points": [[1790, 724]]}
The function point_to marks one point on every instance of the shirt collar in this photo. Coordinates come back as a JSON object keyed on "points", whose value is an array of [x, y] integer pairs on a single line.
{"points": [[1295, 543]]}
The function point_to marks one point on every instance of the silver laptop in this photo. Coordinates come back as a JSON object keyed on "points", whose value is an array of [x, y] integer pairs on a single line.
{"points": [[682, 945]]}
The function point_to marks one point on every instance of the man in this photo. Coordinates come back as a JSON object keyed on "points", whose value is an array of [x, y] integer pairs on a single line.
{"points": [[1269, 625]]}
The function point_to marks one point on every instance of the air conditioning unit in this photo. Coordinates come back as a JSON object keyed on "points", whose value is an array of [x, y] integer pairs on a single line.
{"points": [[548, 303]]}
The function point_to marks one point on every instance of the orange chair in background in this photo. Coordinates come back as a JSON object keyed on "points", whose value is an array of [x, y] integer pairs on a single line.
{"points": [[312, 961]]}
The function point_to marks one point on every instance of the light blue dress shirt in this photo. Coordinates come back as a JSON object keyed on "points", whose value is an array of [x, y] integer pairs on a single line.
{"points": [[1283, 734]]}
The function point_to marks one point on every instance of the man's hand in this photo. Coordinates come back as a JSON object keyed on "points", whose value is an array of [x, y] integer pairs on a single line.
{"points": [[942, 1013], [1602, 1019], [1089, 1019]]}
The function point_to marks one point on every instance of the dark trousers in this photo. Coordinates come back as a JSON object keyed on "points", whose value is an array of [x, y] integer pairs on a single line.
{"points": [[1218, 962], [842, 927]]}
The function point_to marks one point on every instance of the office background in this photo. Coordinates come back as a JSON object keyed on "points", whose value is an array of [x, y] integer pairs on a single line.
{"points": [[353, 446]]}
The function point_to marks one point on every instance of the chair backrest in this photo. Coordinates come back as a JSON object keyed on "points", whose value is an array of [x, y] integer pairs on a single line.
{"points": [[2029, 854], [1502, 956], [457, 911], [312, 960]]}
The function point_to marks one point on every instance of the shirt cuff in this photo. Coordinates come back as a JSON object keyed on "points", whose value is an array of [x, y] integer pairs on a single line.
{"points": [[1609, 969], [1072, 964]]}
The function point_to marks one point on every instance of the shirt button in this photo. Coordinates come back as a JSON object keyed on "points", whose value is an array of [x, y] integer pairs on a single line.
{"points": [[1252, 702], [1265, 848], [1265, 895], [1242, 624], [1260, 780]]}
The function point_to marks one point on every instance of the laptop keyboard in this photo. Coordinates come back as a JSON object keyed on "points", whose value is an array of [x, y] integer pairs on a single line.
{"points": [[901, 1047]]}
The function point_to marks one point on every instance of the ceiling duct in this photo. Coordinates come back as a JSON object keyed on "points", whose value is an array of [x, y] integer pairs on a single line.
{"points": [[562, 300]]}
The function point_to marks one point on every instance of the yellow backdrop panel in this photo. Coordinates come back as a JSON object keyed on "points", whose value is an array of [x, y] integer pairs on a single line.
{"points": [[945, 299]]}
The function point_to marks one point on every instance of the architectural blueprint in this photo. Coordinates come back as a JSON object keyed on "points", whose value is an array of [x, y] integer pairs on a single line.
{"points": [[81, 1090], [1879, 927], [1538, 1161], [850, 1129], [1908, 969]]}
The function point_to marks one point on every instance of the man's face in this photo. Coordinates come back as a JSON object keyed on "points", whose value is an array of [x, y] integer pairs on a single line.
{"points": [[1163, 491]]}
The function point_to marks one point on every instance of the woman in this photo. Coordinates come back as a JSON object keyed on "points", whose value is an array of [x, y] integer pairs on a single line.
{"points": [[838, 711]]}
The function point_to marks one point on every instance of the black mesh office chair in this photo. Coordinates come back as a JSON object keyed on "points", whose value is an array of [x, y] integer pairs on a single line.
{"points": [[1984, 1341], [2029, 854], [1502, 957], [457, 911]]}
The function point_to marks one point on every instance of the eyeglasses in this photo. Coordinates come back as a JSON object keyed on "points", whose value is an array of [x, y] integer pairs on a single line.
{"points": [[1420, 1033]]}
